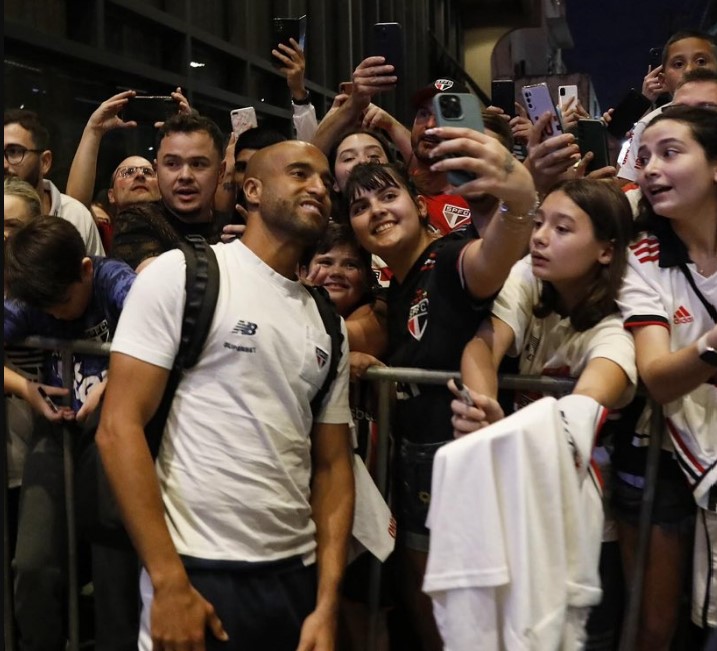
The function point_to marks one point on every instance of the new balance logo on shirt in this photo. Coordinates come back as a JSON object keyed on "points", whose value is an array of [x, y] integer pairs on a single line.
{"points": [[681, 315], [244, 328]]}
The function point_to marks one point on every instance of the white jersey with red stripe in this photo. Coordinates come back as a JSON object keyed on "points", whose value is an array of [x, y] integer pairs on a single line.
{"points": [[657, 292]]}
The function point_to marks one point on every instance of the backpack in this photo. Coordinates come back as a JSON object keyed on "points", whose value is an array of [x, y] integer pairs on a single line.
{"points": [[97, 513]]}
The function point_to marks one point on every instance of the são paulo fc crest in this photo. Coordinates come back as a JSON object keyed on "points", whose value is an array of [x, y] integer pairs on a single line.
{"points": [[443, 84], [321, 357], [418, 318]]}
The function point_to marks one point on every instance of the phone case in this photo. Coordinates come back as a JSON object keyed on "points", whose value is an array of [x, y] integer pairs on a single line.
{"points": [[243, 119], [538, 101], [387, 41], [285, 29], [565, 93], [503, 95], [458, 110], [592, 136]]}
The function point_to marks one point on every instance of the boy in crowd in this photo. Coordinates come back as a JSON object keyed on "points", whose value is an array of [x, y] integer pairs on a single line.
{"points": [[54, 289]]}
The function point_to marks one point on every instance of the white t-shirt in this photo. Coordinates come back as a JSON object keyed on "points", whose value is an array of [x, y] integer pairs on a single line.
{"points": [[656, 292], [234, 465], [551, 346], [515, 521], [78, 215]]}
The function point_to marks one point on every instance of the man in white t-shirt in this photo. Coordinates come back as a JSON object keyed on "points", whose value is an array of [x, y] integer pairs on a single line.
{"points": [[244, 528]]}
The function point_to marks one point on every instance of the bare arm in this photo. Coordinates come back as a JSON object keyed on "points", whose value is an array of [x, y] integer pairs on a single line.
{"points": [[332, 505], [20, 386], [367, 329], [226, 193], [479, 372], [134, 390], [487, 262], [81, 180], [377, 118], [370, 77], [604, 381], [669, 375]]}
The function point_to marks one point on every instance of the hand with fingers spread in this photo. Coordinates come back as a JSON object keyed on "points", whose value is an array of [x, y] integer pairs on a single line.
{"points": [[549, 159], [496, 170], [653, 85], [466, 418], [106, 115]]}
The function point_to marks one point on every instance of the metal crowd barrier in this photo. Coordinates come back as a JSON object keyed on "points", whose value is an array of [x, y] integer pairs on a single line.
{"points": [[384, 378]]}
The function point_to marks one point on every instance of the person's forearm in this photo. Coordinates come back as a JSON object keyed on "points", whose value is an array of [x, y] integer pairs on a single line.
{"points": [[83, 172], [333, 124], [332, 505], [131, 473], [367, 331], [14, 383], [671, 376], [478, 369], [401, 138]]}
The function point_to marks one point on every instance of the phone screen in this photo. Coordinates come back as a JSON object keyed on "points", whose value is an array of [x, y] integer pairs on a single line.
{"points": [[149, 108]]}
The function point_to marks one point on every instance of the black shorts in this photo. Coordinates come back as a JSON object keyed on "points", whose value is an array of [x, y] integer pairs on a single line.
{"points": [[413, 492]]}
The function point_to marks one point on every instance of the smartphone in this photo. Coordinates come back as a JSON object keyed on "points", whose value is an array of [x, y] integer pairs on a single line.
{"points": [[655, 57], [458, 110], [538, 101], [592, 136], [630, 109], [387, 41], [285, 29], [243, 119], [565, 93], [502, 95], [149, 108]]}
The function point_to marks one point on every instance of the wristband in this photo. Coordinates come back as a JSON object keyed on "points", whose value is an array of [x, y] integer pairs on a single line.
{"points": [[302, 102], [527, 218]]}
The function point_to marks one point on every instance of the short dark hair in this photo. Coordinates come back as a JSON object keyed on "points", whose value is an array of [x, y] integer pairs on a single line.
{"points": [[30, 121], [698, 74], [257, 138], [190, 123], [376, 176], [611, 219], [42, 259], [501, 128], [682, 34]]}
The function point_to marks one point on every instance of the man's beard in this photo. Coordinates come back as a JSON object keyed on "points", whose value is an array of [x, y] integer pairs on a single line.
{"points": [[281, 214]]}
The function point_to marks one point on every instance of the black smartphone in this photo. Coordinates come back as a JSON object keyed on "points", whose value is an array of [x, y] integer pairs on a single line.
{"points": [[387, 42], [592, 136], [149, 108], [458, 110], [655, 57], [630, 109], [285, 29], [502, 95]]}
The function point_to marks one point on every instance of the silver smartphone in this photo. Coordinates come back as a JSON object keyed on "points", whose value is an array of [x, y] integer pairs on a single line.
{"points": [[539, 101]]}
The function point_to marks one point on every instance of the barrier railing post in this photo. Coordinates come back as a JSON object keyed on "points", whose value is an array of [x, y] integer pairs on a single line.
{"points": [[634, 598], [8, 614], [69, 474], [383, 427]]}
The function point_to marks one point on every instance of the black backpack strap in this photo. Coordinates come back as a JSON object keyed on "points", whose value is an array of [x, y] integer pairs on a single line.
{"points": [[332, 324], [202, 290]]}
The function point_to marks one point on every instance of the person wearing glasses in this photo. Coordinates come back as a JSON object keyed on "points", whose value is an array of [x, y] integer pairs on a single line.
{"points": [[28, 156]]}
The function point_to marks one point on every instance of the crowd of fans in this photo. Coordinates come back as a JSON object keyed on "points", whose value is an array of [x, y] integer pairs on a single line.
{"points": [[237, 534]]}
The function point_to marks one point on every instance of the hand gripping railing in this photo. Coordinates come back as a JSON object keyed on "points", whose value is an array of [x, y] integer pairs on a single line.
{"points": [[384, 378]]}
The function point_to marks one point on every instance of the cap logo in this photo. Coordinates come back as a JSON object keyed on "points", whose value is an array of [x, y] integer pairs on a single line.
{"points": [[443, 84]]}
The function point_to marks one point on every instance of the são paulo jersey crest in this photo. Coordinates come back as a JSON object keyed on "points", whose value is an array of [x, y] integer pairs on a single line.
{"points": [[418, 315]]}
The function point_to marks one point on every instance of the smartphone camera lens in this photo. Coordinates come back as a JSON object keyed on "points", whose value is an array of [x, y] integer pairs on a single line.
{"points": [[450, 107]]}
